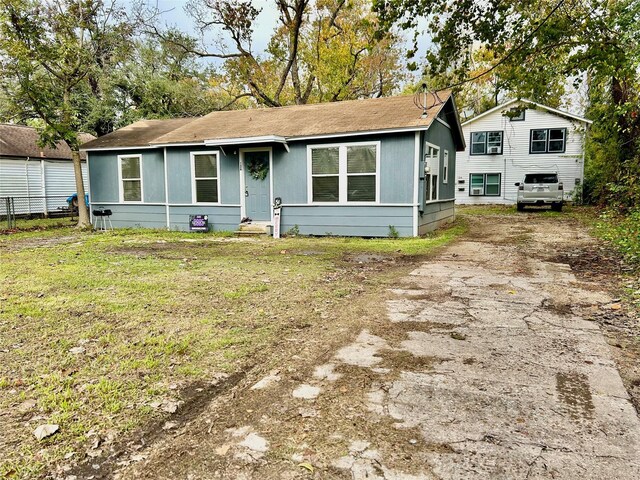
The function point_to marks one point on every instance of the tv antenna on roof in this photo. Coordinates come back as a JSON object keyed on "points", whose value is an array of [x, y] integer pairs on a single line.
{"points": [[424, 100]]}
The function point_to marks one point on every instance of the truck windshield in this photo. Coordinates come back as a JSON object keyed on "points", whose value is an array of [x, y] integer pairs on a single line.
{"points": [[541, 178]]}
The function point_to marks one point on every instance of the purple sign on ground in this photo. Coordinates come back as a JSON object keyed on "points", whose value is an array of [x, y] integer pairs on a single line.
{"points": [[199, 223]]}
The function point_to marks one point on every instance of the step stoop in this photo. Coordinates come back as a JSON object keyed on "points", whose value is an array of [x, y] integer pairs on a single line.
{"points": [[249, 229]]}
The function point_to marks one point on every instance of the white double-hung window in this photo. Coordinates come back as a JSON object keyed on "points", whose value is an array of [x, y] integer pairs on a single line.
{"points": [[205, 178], [345, 173], [431, 170], [130, 170]]}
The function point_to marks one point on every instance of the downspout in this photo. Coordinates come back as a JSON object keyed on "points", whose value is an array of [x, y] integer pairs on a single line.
{"points": [[584, 144], [90, 202], [416, 182], [26, 171], [504, 179], [166, 189], [44, 188]]}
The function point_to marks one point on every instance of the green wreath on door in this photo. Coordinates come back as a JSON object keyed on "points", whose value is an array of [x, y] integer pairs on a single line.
{"points": [[258, 168]]}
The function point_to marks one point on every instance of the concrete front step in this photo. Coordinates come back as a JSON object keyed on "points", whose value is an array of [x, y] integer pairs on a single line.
{"points": [[251, 229]]}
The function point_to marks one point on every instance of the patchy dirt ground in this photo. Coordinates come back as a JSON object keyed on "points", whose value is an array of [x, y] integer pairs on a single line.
{"points": [[499, 358]]}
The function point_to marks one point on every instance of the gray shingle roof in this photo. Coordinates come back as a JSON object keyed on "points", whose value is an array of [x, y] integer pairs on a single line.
{"points": [[138, 134], [22, 141], [289, 122]]}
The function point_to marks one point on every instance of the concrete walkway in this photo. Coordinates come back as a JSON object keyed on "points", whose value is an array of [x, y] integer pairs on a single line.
{"points": [[522, 386]]}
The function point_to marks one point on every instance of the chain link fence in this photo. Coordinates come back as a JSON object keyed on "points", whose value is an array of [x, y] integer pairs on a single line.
{"points": [[14, 209]]}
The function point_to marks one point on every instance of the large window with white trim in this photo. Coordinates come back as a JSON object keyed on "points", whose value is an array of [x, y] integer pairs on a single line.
{"points": [[205, 177], [431, 170], [130, 178], [344, 173]]}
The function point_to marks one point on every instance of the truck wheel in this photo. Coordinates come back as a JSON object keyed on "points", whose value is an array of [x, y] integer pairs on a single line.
{"points": [[556, 207], [520, 207]]}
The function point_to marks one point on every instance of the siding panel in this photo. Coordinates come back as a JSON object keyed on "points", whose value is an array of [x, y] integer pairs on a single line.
{"points": [[135, 216], [60, 181], [103, 176], [22, 178], [153, 175], [436, 215], [179, 173], [440, 135], [366, 221], [290, 173], [221, 218]]}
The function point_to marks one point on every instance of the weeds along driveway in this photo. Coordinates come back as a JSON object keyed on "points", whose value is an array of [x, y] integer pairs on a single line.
{"points": [[127, 335], [483, 364]]}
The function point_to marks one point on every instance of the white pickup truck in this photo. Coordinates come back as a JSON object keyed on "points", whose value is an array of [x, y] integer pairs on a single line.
{"points": [[540, 189]]}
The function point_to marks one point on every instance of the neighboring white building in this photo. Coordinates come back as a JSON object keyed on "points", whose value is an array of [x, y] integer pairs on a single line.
{"points": [[502, 147], [38, 178]]}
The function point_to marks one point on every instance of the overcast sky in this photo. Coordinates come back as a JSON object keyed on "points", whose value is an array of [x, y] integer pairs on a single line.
{"points": [[174, 15]]}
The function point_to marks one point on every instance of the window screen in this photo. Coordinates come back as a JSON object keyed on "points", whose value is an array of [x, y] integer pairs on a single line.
{"points": [[131, 179], [206, 178], [325, 172], [345, 173]]}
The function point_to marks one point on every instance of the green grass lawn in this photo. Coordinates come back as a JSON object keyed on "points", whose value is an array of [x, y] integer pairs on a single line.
{"points": [[95, 327], [27, 224]]}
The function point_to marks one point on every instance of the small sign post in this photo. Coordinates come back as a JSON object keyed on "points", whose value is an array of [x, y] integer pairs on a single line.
{"points": [[199, 223], [277, 208]]}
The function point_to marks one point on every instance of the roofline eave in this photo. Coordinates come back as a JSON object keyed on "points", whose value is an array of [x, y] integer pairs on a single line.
{"points": [[514, 100], [261, 139]]}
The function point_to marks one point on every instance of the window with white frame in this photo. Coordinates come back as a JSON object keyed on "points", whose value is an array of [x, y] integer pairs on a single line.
{"points": [[548, 140], [484, 184], [344, 173], [486, 143], [431, 170], [445, 167], [205, 177], [130, 178]]}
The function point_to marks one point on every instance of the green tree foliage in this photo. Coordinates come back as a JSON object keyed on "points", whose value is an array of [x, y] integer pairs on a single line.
{"points": [[49, 52], [156, 80], [537, 41], [320, 51]]}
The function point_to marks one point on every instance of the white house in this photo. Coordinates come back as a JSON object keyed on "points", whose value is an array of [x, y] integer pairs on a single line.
{"points": [[518, 137], [39, 179]]}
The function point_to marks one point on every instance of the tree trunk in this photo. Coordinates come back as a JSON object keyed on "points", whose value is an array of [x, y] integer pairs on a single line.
{"points": [[83, 211]]}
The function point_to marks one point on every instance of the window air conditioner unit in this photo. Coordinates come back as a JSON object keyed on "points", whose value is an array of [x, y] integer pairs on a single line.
{"points": [[476, 191], [494, 150]]}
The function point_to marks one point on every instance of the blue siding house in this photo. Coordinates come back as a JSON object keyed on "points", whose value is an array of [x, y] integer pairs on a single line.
{"points": [[348, 168]]}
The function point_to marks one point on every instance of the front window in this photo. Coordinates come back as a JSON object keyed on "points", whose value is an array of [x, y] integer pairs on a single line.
{"points": [[361, 173], [205, 177], [344, 173], [131, 178], [548, 140], [484, 184], [486, 143], [431, 169], [325, 169]]}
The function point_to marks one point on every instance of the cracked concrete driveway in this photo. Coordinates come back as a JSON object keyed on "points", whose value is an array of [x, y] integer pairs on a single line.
{"points": [[485, 365]]}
